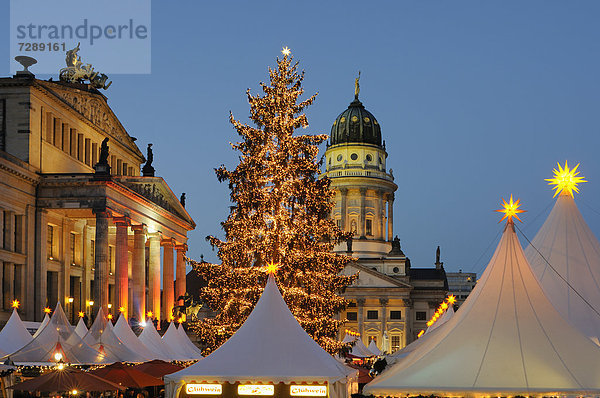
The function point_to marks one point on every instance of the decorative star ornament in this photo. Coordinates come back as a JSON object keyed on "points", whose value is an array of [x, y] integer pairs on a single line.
{"points": [[81, 314], [451, 299], [565, 180], [510, 210], [286, 51], [15, 304], [47, 310], [121, 309], [109, 316], [272, 268]]}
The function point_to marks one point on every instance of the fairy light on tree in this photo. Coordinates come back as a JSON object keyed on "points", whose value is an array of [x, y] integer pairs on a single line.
{"points": [[280, 215]]}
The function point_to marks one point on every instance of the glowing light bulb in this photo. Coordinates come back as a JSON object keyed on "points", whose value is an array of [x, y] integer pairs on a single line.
{"points": [[58, 356]]}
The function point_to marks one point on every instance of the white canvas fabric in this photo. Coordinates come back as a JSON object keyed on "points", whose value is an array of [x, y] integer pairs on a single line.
{"points": [[102, 338], [373, 348], [124, 333], [173, 340], [566, 242], [81, 329], [506, 339], [58, 336], [190, 347], [14, 335], [270, 347], [359, 349], [449, 313], [42, 325], [151, 339]]}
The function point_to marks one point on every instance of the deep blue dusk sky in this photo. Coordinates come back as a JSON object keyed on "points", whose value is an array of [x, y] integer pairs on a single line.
{"points": [[476, 100]]}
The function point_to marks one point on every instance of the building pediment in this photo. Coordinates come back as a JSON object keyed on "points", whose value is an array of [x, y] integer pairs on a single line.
{"points": [[368, 277], [93, 107], [156, 190]]}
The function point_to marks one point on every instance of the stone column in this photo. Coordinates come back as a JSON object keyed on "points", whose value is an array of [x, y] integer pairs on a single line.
{"points": [[180, 272], [64, 275], [2, 285], [8, 285], [380, 216], [390, 219], [168, 291], [122, 266], [154, 275], [363, 215], [344, 208], [86, 246], [30, 262], [383, 302], [1, 228], [138, 272], [407, 318], [41, 261], [360, 305], [101, 261]]}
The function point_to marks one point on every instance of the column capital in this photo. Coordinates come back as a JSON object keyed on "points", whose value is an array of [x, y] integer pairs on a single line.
{"points": [[123, 221], [167, 242], [155, 235], [182, 248], [343, 190], [139, 227], [383, 302], [363, 191], [102, 212]]}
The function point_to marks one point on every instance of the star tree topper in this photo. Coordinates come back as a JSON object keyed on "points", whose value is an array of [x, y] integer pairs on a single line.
{"points": [[565, 180], [510, 210]]}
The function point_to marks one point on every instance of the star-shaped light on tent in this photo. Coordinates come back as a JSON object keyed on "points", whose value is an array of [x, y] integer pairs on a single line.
{"points": [[47, 310], [451, 299], [149, 314], [81, 314], [510, 209], [272, 268], [15, 304], [565, 180], [121, 309], [109, 316], [286, 51]]}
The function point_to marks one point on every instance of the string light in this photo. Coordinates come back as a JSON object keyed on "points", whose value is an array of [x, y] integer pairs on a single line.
{"points": [[443, 307], [280, 214]]}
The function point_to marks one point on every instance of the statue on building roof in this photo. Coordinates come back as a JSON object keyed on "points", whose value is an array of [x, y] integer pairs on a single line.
{"points": [[182, 199], [102, 167], [356, 86], [77, 72], [148, 170]]}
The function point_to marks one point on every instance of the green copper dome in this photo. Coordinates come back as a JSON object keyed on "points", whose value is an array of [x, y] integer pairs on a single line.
{"points": [[356, 125]]}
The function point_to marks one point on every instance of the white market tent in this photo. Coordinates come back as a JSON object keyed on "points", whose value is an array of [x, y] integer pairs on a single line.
{"points": [[359, 349], [373, 348], [507, 338], [14, 335], [449, 313], [58, 337], [124, 333], [42, 325], [81, 329], [567, 244], [151, 339], [270, 347], [102, 338], [178, 345], [191, 347]]}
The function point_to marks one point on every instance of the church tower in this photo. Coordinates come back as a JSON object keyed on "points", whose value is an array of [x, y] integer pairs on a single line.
{"points": [[356, 165]]}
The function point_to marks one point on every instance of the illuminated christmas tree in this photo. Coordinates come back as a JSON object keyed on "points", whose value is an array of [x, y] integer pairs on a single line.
{"points": [[280, 216]]}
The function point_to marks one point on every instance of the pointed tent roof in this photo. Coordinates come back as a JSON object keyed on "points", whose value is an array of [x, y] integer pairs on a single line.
{"points": [[190, 347], [14, 334], [274, 343], [123, 331], [359, 349], [81, 329], [58, 335], [101, 337], [42, 325], [373, 348], [566, 242], [449, 313], [507, 337], [173, 339], [152, 340]]}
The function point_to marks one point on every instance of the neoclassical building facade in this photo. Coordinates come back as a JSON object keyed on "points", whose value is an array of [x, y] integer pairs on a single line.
{"points": [[72, 232], [390, 298]]}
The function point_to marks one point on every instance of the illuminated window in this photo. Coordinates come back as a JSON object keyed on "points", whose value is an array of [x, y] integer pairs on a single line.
{"points": [[421, 316], [50, 242], [369, 227], [352, 316], [372, 314], [395, 314], [395, 343]]}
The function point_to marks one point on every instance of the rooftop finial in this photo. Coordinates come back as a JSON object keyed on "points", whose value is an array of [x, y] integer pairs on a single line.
{"points": [[356, 86]]}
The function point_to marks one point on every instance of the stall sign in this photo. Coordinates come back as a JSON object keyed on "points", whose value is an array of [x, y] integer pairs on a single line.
{"points": [[308, 391], [203, 389], [256, 389]]}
